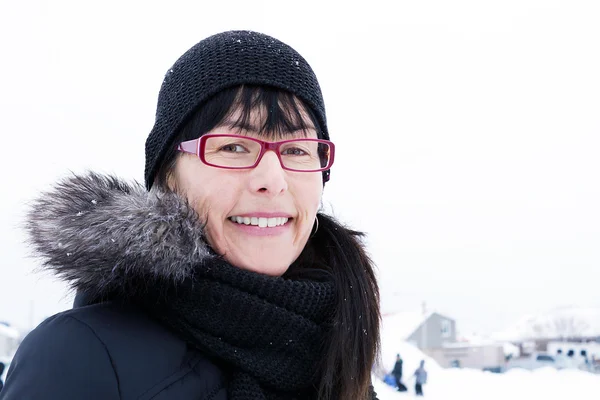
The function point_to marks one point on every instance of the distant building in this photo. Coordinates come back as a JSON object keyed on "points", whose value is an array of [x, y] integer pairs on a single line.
{"points": [[424, 330], [590, 348], [537, 333], [435, 335], [486, 356], [434, 331]]}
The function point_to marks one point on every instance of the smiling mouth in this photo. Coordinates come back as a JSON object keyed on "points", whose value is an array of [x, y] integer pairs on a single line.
{"points": [[261, 222]]}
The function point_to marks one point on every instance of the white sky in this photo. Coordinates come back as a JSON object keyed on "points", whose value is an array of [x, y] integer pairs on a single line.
{"points": [[467, 134]]}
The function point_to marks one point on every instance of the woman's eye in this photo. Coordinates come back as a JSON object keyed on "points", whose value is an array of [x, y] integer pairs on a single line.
{"points": [[294, 151], [233, 148]]}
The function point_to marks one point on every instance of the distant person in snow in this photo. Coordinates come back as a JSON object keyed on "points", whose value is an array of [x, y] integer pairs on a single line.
{"points": [[420, 378], [397, 373]]}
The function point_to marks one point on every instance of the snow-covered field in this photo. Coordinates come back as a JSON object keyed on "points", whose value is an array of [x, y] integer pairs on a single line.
{"points": [[514, 385], [468, 384]]}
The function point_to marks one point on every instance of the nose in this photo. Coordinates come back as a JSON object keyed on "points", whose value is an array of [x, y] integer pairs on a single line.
{"points": [[268, 177]]}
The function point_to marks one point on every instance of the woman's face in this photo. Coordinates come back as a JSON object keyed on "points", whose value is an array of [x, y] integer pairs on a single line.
{"points": [[267, 191]]}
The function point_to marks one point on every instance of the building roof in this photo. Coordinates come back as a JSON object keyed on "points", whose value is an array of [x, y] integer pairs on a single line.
{"points": [[404, 323]]}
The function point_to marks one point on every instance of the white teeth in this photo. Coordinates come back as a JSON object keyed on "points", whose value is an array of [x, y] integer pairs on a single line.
{"points": [[261, 222]]}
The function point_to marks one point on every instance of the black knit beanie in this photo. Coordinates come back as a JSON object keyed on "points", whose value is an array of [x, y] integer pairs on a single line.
{"points": [[219, 62]]}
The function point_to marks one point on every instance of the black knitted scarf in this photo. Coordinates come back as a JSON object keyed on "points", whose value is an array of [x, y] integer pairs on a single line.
{"points": [[269, 331], [113, 240]]}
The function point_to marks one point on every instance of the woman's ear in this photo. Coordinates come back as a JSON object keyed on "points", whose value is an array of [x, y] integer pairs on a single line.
{"points": [[172, 181]]}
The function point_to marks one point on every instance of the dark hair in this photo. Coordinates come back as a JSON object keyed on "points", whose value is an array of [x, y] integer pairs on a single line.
{"points": [[353, 344]]}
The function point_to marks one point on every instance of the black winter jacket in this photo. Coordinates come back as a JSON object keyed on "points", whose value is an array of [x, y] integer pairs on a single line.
{"points": [[109, 351]]}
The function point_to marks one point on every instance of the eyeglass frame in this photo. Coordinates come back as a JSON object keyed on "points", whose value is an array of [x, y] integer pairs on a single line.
{"points": [[197, 146]]}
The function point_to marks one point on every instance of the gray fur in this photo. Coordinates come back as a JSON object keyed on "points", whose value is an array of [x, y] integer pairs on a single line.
{"points": [[97, 231]]}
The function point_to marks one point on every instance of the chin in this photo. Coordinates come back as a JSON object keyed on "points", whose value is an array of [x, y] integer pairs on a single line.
{"points": [[264, 267]]}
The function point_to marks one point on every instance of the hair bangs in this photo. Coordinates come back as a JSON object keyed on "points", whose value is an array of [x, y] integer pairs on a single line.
{"points": [[271, 113]]}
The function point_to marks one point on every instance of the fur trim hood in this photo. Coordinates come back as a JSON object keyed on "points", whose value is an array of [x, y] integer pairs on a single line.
{"points": [[95, 231]]}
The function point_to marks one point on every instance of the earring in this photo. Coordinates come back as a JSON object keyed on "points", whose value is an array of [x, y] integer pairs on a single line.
{"points": [[317, 228]]}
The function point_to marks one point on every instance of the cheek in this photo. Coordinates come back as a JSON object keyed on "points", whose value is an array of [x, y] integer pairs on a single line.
{"points": [[315, 191], [205, 188], [308, 195], [213, 201]]}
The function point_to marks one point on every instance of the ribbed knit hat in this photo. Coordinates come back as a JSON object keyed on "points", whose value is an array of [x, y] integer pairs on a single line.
{"points": [[219, 62]]}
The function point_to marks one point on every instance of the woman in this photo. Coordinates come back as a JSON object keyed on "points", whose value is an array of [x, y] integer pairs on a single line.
{"points": [[222, 281]]}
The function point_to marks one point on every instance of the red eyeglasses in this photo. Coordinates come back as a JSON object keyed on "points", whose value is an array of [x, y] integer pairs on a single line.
{"points": [[243, 152]]}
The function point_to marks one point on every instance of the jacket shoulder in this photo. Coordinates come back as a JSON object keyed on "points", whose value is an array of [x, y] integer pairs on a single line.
{"points": [[141, 357], [61, 358], [147, 357]]}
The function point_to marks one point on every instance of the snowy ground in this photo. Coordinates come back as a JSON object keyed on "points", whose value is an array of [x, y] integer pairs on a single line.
{"points": [[514, 385], [467, 384]]}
